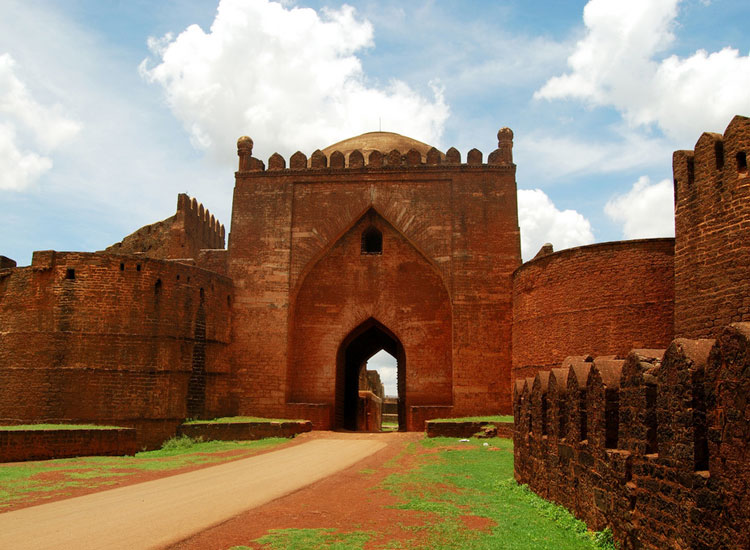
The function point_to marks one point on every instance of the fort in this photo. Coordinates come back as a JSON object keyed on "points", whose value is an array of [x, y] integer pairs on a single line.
{"points": [[624, 363]]}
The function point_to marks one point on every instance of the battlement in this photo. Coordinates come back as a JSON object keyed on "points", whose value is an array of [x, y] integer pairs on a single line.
{"points": [[712, 209], [654, 440], [189, 208], [358, 159]]}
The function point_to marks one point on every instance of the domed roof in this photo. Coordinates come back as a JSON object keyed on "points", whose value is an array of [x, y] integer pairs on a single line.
{"points": [[385, 142]]}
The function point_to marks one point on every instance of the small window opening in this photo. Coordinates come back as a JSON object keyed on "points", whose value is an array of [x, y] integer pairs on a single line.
{"points": [[137, 267], [719, 154], [122, 267], [544, 415], [691, 171], [157, 287], [372, 241], [652, 447], [178, 277], [562, 412], [700, 435], [70, 273], [611, 418], [583, 415], [229, 301], [742, 162], [202, 295]]}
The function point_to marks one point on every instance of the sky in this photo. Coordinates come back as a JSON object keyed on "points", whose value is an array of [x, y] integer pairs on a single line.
{"points": [[109, 109]]}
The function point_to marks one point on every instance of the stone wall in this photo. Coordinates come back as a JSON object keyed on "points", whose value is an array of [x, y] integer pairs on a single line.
{"points": [[604, 298], [20, 445], [712, 222], [655, 447], [303, 283], [107, 339], [183, 235], [244, 431]]}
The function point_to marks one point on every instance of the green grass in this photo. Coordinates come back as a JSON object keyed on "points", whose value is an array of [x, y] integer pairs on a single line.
{"points": [[481, 484], [39, 427], [236, 419], [31, 479], [311, 539], [498, 418]]}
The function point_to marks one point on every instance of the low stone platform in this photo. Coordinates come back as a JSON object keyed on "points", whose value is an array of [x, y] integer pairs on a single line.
{"points": [[35, 444], [244, 431], [466, 429]]}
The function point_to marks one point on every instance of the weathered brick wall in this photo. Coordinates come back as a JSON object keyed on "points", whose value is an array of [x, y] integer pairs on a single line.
{"points": [[712, 248], [451, 242], [183, 235], [113, 339], [606, 298], [654, 447], [244, 431], [20, 445], [466, 429]]}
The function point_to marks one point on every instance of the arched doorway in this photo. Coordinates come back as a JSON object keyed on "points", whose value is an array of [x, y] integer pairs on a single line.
{"points": [[362, 343]]}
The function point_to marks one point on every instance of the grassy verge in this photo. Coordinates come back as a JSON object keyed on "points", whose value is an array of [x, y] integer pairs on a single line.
{"points": [[454, 486], [43, 479], [40, 427], [498, 418], [235, 419]]}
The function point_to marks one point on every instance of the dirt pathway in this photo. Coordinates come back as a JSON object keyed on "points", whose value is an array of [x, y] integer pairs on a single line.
{"points": [[161, 512]]}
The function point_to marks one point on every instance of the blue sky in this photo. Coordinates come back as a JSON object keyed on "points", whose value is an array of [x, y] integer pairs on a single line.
{"points": [[108, 110]]}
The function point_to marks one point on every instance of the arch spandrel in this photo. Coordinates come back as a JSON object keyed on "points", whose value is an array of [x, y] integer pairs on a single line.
{"points": [[323, 213], [400, 288]]}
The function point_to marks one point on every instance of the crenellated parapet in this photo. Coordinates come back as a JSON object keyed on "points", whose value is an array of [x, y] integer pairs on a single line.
{"points": [[712, 226], [192, 213], [374, 159], [653, 446]]}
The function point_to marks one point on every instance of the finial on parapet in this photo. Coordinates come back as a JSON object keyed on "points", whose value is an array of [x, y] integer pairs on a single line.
{"points": [[503, 155], [245, 152]]}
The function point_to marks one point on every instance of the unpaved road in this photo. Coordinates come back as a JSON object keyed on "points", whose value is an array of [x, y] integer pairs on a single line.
{"points": [[161, 512]]}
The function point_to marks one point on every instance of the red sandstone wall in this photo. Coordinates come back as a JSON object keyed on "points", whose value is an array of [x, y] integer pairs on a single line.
{"points": [[192, 229], [113, 339], [676, 473], [400, 289], [712, 229], [20, 445], [604, 299], [461, 218]]}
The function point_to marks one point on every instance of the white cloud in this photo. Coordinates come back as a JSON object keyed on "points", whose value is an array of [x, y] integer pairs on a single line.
{"points": [[386, 365], [568, 155], [541, 222], [26, 123], [289, 78], [617, 64], [18, 169], [645, 211]]}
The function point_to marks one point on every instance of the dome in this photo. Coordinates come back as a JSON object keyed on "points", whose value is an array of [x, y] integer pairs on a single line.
{"points": [[385, 142]]}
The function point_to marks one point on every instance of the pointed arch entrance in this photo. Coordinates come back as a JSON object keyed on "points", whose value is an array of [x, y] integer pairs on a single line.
{"points": [[362, 343]]}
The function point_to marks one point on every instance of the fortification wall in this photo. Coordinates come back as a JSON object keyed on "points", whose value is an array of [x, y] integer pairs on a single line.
{"points": [[183, 235], [604, 298], [109, 339], [654, 446], [461, 217], [712, 223]]}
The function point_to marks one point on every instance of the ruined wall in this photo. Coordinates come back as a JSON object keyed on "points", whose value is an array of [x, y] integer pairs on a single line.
{"points": [[113, 339], [183, 235], [712, 223], [655, 447], [460, 217], [604, 298]]}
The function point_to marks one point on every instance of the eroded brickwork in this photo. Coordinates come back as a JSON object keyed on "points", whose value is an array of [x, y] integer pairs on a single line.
{"points": [[110, 339], [654, 447], [712, 222], [604, 298]]}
